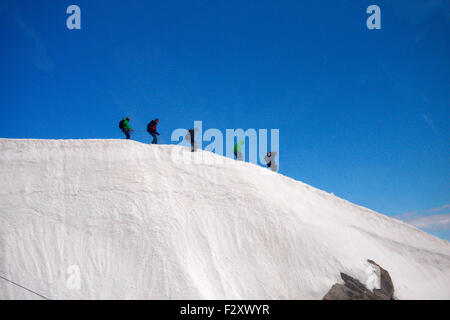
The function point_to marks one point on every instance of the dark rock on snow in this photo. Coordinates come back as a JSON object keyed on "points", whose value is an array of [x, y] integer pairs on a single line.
{"points": [[353, 289]]}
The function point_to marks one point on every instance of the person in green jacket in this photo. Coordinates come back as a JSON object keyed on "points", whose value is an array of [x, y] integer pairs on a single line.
{"points": [[238, 149], [124, 125]]}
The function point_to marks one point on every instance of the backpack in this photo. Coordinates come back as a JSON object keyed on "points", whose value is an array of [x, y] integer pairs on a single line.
{"points": [[150, 126], [121, 124]]}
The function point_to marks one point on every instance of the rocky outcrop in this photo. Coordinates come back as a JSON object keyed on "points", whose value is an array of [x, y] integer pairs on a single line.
{"points": [[353, 289], [386, 291]]}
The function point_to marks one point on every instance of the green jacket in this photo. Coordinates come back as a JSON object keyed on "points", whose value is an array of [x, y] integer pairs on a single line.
{"points": [[126, 124], [238, 146]]}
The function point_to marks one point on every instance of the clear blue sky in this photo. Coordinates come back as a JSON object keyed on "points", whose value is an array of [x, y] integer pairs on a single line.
{"points": [[363, 114]]}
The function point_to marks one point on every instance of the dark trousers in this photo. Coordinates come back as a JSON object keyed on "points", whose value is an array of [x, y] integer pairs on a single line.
{"points": [[127, 133], [155, 140]]}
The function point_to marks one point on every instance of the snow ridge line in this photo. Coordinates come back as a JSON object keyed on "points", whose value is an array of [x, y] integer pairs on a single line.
{"points": [[25, 288]]}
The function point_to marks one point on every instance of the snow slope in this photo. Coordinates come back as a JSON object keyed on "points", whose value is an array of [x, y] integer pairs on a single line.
{"points": [[153, 222]]}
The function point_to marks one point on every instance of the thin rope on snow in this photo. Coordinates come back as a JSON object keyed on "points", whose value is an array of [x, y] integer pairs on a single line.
{"points": [[24, 288]]}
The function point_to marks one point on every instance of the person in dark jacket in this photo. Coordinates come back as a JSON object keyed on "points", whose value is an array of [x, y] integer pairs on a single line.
{"points": [[238, 149], [190, 137], [124, 125], [269, 158], [151, 128]]}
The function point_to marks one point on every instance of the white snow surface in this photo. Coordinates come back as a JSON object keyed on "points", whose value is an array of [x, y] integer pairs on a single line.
{"points": [[139, 223]]}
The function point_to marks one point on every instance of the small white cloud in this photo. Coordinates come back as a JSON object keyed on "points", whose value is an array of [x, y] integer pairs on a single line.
{"points": [[40, 58], [445, 206], [434, 222], [431, 219], [430, 123], [428, 120]]}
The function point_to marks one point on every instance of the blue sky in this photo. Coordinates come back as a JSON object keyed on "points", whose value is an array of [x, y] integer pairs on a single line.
{"points": [[362, 113]]}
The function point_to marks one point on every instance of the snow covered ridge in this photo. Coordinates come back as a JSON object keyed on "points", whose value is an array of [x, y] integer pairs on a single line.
{"points": [[116, 219]]}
